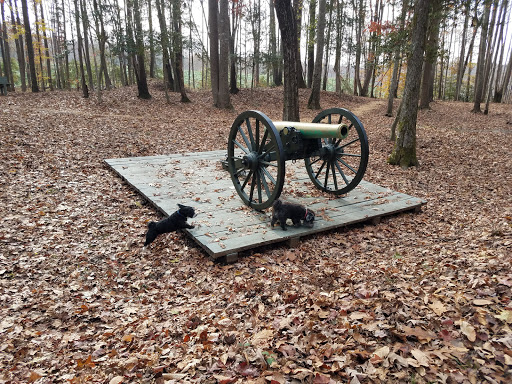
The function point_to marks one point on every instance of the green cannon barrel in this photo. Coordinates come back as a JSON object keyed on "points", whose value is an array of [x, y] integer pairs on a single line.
{"points": [[315, 130]]}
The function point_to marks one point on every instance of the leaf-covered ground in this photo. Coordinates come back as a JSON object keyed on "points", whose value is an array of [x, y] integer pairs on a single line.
{"points": [[417, 298]]}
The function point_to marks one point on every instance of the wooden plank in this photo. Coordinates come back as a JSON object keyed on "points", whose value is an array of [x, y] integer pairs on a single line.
{"points": [[224, 226]]}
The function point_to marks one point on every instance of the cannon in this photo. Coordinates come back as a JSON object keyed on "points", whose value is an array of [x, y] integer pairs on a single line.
{"points": [[334, 147]]}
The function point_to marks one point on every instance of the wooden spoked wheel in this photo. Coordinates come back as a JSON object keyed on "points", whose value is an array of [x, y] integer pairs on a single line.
{"points": [[340, 164], [256, 160]]}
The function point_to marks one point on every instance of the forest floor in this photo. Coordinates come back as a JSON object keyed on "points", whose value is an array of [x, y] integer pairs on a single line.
{"points": [[419, 297]]}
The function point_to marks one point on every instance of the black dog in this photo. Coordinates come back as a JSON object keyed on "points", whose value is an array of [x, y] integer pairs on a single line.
{"points": [[296, 212], [178, 220]]}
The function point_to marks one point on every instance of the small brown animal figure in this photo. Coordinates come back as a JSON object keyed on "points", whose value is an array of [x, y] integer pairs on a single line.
{"points": [[296, 212]]}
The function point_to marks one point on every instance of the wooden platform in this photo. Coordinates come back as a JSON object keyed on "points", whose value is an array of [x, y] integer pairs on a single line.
{"points": [[224, 225]]}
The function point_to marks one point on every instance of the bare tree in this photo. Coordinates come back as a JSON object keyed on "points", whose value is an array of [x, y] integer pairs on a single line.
{"points": [[404, 150], [431, 54], [140, 69], [314, 98], [178, 49], [287, 25], [224, 95], [152, 57], [311, 42], [213, 14], [30, 47], [6, 54], [85, 89], [480, 69], [20, 49], [393, 86]]}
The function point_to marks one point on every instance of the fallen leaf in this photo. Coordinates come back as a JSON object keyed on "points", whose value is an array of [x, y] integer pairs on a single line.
{"points": [[421, 357], [468, 330], [437, 307], [481, 302]]}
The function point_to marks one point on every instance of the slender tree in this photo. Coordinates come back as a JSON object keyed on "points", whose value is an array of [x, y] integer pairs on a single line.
{"points": [[311, 41], [224, 100], [498, 90], [236, 12], [152, 56], [393, 86], [99, 10], [327, 48], [46, 48], [213, 13], [287, 25], [297, 8], [404, 150], [6, 54], [87, 56], [66, 50], [164, 42], [255, 20], [339, 34], [85, 88], [460, 67], [30, 47], [314, 98], [480, 69], [360, 12], [273, 46], [506, 80], [140, 68], [20, 46], [432, 47], [178, 49]]}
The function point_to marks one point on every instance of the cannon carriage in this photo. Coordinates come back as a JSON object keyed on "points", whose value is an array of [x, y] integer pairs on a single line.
{"points": [[334, 147]]}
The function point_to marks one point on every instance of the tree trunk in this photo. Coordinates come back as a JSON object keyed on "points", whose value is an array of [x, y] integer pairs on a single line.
{"points": [[275, 58], [6, 54], [224, 95], [327, 48], [213, 13], [337, 60], [140, 69], [19, 46], [152, 58], [66, 50], [404, 151], [39, 48], [85, 89], [287, 25], [235, 19], [498, 92], [480, 68], [164, 42], [430, 53], [178, 49], [314, 98], [297, 9], [102, 39], [396, 63], [497, 41], [498, 97], [460, 69], [85, 25], [359, 31], [47, 49], [255, 18], [311, 42], [30, 47]]}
